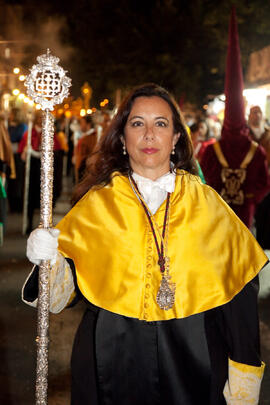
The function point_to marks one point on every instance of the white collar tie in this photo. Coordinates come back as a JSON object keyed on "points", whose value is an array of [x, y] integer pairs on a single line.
{"points": [[155, 192]]}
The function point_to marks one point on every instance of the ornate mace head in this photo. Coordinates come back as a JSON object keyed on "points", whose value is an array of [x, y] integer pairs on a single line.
{"points": [[47, 83]]}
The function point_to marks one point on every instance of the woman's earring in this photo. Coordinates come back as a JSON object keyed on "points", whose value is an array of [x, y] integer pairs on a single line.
{"points": [[173, 151], [124, 149]]}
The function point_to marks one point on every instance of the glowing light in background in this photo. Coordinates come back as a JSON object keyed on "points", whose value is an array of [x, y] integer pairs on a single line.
{"points": [[104, 102], [255, 97]]}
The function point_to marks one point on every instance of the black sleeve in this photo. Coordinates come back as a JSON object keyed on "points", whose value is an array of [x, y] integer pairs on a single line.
{"points": [[78, 295], [240, 324], [30, 290]]}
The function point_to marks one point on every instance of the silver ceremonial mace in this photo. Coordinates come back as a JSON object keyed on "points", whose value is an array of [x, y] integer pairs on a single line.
{"points": [[47, 85]]}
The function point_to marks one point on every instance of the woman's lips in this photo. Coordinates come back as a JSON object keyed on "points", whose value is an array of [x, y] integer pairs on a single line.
{"points": [[149, 151]]}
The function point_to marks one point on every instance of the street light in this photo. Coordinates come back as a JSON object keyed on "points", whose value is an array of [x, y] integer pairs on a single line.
{"points": [[16, 70], [22, 78], [15, 92]]}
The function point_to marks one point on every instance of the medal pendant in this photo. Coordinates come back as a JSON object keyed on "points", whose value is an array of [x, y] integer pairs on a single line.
{"points": [[166, 294]]}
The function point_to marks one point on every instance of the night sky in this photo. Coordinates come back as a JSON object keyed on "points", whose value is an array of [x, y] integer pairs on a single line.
{"points": [[178, 44]]}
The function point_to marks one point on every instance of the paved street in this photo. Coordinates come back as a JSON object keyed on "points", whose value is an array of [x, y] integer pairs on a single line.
{"points": [[18, 328]]}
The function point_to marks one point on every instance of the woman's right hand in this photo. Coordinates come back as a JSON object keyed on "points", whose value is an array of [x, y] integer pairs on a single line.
{"points": [[42, 245]]}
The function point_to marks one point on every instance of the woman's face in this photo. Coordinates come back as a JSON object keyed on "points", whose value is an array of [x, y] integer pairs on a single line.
{"points": [[149, 136], [202, 130]]}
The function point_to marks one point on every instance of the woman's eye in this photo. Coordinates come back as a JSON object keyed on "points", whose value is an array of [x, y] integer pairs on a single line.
{"points": [[136, 124], [161, 124]]}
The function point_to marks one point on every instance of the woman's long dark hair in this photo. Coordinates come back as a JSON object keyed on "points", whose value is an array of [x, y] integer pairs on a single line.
{"points": [[109, 157]]}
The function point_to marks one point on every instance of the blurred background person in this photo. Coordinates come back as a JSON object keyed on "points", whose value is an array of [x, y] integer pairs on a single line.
{"points": [[7, 173], [34, 176], [85, 146], [235, 166], [194, 135], [261, 134], [200, 138], [61, 148], [258, 131], [73, 136], [16, 129], [106, 121]]}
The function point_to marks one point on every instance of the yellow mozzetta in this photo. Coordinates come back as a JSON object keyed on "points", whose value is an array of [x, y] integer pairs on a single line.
{"points": [[107, 235]]}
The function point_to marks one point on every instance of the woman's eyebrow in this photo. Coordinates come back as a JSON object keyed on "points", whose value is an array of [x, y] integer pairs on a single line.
{"points": [[135, 116], [163, 118]]}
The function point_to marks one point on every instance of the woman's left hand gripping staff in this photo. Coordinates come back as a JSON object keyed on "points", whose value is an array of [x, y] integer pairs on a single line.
{"points": [[42, 244]]}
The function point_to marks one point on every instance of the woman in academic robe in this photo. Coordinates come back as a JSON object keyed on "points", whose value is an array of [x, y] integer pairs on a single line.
{"points": [[168, 271]]}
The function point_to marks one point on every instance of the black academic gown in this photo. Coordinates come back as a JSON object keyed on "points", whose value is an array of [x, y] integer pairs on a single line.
{"points": [[117, 360]]}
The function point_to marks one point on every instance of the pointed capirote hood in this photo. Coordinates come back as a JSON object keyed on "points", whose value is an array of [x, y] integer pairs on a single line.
{"points": [[234, 117]]}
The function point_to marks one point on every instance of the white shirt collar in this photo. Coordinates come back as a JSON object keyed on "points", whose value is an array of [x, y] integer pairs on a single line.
{"points": [[155, 192]]}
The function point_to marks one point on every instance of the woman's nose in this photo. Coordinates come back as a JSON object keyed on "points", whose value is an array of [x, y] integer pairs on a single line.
{"points": [[149, 133]]}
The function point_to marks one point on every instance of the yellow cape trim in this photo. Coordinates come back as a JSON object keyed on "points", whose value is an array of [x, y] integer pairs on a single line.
{"points": [[247, 159], [220, 156], [212, 253], [249, 155]]}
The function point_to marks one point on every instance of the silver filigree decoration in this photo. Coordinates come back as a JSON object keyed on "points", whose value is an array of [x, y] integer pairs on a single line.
{"points": [[166, 293], [47, 143], [43, 335], [47, 83]]}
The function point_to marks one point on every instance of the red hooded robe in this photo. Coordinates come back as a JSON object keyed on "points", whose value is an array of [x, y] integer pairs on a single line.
{"points": [[235, 141]]}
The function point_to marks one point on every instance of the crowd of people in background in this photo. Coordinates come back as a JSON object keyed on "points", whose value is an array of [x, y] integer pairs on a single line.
{"points": [[76, 139]]}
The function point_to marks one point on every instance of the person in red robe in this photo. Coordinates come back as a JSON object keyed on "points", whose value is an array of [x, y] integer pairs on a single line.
{"points": [[260, 133], [236, 166]]}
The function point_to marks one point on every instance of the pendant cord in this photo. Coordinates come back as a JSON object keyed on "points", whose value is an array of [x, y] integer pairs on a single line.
{"points": [[160, 250]]}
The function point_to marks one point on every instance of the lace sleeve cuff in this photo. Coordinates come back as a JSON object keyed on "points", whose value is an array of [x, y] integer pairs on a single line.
{"points": [[62, 287], [243, 385]]}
